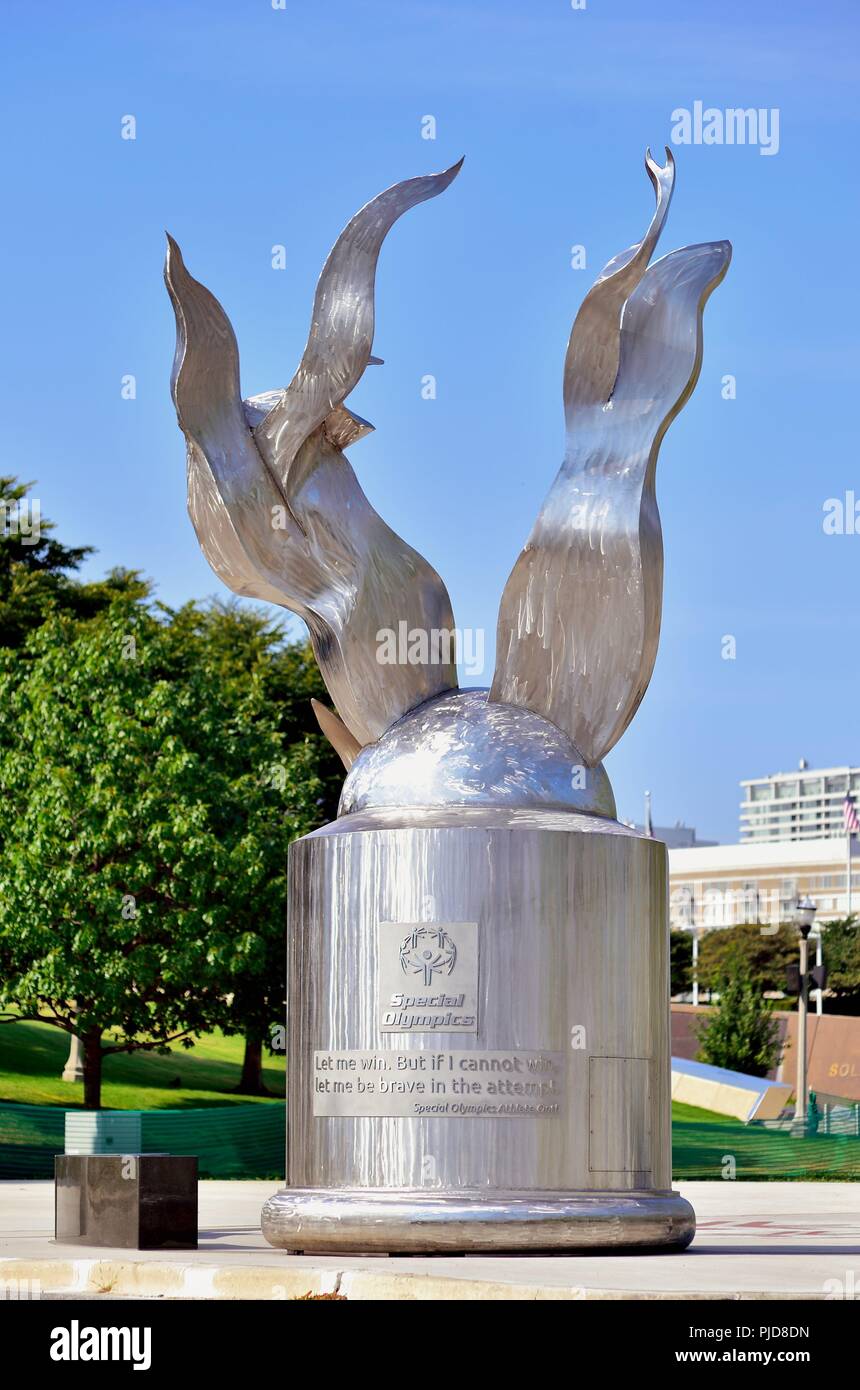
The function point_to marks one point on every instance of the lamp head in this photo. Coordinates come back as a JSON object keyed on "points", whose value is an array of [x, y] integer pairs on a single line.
{"points": [[804, 915]]}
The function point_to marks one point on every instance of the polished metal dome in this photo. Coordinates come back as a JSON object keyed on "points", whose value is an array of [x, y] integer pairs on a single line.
{"points": [[459, 749]]}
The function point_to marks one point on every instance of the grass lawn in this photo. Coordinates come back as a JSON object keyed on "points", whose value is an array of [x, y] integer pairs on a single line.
{"points": [[32, 1057], [714, 1146], [693, 1115]]}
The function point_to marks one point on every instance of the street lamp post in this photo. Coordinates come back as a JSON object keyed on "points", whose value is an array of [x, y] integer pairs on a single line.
{"points": [[804, 916], [694, 930]]}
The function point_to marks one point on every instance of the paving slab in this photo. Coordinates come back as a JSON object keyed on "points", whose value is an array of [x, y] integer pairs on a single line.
{"points": [[754, 1241]]}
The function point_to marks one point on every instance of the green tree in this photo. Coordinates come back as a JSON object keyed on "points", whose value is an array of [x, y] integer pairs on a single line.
{"points": [[759, 952], [247, 646], [680, 961], [840, 947], [247, 640], [143, 834], [741, 1033], [38, 573]]}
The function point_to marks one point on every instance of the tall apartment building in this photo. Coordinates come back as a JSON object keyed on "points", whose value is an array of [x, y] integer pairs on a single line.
{"points": [[802, 805]]}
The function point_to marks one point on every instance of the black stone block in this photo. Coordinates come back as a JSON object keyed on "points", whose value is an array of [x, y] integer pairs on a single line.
{"points": [[130, 1201]]}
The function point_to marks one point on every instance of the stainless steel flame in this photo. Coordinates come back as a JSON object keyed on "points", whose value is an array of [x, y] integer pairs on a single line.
{"points": [[478, 989]]}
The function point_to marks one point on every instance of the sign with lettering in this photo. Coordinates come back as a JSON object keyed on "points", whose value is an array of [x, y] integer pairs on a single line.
{"points": [[452, 1084], [428, 977]]}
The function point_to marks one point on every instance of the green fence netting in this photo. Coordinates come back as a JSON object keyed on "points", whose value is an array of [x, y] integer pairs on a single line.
{"points": [[761, 1152], [247, 1141], [236, 1141], [30, 1135]]}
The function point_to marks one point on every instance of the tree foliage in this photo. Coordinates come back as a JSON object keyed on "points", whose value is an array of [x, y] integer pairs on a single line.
{"points": [[38, 574], [146, 805], [741, 1033], [680, 961], [246, 643], [757, 952], [840, 946]]}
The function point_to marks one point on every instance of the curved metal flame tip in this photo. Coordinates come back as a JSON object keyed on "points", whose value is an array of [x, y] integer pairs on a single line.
{"points": [[654, 168], [447, 176], [344, 743], [173, 261]]}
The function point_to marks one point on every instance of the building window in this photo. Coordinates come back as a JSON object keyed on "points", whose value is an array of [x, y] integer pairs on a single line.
{"points": [[787, 898], [749, 902], [713, 907], [763, 792], [681, 914]]}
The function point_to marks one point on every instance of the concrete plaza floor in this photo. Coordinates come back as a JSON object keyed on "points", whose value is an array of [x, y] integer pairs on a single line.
{"points": [[782, 1240]]}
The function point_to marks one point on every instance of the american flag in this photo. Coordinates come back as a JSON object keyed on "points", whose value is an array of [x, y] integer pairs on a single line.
{"points": [[850, 819]]}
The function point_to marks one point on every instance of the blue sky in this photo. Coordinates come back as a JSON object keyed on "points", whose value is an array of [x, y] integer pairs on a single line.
{"points": [[259, 126]]}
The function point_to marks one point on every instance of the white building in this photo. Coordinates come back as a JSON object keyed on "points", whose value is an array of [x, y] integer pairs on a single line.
{"points": [[802, 805], [722, 885]]}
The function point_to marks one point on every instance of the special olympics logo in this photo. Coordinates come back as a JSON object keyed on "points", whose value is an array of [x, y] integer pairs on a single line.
{"points": [[427, 950]]}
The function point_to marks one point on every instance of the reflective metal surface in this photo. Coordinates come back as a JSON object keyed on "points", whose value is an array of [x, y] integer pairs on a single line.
{"points": [[276, 506], [301, 1218], [478, 951], [461, 749], [579, 619], [345, 744], [572, 960], [280, 515]]}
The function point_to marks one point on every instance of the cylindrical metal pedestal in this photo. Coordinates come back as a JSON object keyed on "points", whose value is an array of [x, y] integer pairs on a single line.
{"points": [[478, 1049]]}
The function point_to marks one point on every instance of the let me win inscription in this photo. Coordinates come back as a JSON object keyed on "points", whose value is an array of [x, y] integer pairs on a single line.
{"points": [[428, 982], [456, 1084]]}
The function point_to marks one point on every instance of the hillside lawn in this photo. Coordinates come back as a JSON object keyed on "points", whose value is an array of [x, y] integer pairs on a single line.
{"points": [[32, 1057]]}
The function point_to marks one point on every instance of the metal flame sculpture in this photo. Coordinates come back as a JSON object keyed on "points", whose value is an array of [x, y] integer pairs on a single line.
{"points": [[476, 862], [280, 514]]}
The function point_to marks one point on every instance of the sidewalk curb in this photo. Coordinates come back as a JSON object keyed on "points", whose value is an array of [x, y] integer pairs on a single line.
{"points": [[174, 1280]]}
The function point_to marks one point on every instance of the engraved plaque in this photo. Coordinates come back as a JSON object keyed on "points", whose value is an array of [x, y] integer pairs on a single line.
{"points": [[428, 977], [439, 1083]]}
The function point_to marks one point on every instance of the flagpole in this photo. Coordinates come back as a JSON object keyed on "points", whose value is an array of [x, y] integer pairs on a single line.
{"points": [[851, 823]]}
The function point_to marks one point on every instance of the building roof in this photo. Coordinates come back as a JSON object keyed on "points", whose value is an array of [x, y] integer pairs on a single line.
{"points": [[757, 854], [800, 772]]}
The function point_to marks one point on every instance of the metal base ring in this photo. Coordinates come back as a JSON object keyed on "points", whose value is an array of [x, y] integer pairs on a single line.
{"points": [[342, 1219]]}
